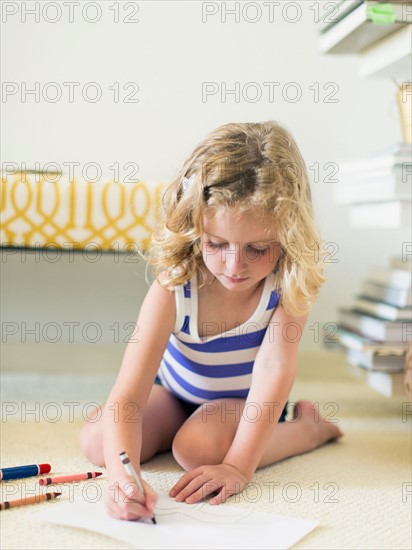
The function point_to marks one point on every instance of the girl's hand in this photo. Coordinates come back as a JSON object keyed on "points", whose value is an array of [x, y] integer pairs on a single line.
{"points": [[124, 500], [195, 485]]}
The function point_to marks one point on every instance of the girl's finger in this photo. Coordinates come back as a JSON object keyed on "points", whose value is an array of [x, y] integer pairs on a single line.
{"points": [[120, 505], [207, 489], [142, 507], [196, 485], [220, 498], [151, 496], [145, 500], [131, 491], [184, 480], [118, 511], [131, 502]]}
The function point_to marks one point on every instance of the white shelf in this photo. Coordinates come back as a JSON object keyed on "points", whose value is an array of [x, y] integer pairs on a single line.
{"points": [[355, 32], [390, 57], [385, 383], [384, 50]]}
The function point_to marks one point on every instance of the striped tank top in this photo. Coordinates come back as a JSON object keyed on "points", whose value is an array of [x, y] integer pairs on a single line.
{"points": [[199, 369]]}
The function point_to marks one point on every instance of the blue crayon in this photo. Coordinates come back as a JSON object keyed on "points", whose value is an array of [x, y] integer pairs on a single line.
{"points": [[17, 472]]}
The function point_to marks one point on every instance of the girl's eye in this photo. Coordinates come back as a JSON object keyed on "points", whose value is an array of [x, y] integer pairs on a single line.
{"points": [[258, 251], [214, 245], [252, 250]]}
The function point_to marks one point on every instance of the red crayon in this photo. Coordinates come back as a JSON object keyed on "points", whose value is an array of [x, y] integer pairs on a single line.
{"points": [[64, 479]]}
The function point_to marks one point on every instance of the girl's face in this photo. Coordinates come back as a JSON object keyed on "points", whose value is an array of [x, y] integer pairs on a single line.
{"points": [[238, 249]]}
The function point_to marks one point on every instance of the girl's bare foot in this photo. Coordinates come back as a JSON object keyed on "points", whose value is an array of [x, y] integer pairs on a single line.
{"points": [[325, 430]]}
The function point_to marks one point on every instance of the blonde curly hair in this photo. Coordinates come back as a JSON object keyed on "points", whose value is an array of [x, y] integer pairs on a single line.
{"points": [[243, 166]]}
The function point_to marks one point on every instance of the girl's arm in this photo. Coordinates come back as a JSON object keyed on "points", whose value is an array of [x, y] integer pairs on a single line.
{"points": [[123, 412], [273, 376]]}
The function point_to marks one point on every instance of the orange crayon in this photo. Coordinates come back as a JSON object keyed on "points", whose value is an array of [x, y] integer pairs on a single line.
{"points": [[64, 479], [28, 500]]}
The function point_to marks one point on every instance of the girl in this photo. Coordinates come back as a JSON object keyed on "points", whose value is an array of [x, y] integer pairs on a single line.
{"points": [[210, 371]]}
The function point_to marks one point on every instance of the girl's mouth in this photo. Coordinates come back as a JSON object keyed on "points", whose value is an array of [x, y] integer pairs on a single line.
{"points": [[236, 280]]}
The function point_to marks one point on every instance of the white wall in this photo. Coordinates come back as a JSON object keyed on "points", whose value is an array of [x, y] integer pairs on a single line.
{"points": [[169, 53]]}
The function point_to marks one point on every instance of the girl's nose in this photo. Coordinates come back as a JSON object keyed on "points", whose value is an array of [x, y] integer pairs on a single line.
{"points": [[235, 263]]}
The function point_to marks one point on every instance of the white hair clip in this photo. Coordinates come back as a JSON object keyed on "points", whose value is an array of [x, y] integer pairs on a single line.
{"points": [[186, 182]]}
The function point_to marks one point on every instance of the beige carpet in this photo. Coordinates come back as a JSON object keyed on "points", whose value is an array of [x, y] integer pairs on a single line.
{"points": [[359, 489]]}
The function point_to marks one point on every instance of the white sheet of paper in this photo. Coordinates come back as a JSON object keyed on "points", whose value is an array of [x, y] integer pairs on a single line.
{"points": [[184, 526]]}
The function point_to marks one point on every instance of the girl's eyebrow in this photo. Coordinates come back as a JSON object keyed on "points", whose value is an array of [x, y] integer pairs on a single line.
{"points": [[262, 241]]}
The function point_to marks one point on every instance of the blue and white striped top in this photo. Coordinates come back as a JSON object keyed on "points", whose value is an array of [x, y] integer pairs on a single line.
{"points": [[199, 369]]}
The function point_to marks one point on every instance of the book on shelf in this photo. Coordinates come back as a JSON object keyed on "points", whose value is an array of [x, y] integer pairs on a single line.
{"points": [[333, 12], [393, 214], [393, 277], [391, 185], [368, 354], [399, 297], [363, 304], [349, 339], [374, 324], [376, 361], [356, 25], [380, 330], [376, 331]]}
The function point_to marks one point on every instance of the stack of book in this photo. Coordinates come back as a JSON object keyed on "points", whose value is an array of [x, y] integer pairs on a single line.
{"points": [[378, 188], [376, 329], [351, 26]]}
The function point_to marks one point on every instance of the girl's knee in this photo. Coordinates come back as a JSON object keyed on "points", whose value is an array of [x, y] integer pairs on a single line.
{"points": [[185, 449], [91, 440], [192, 447]]}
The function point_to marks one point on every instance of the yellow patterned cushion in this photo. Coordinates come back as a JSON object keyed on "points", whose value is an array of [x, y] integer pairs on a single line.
{"points": [[408, 372], [37, 212]]}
